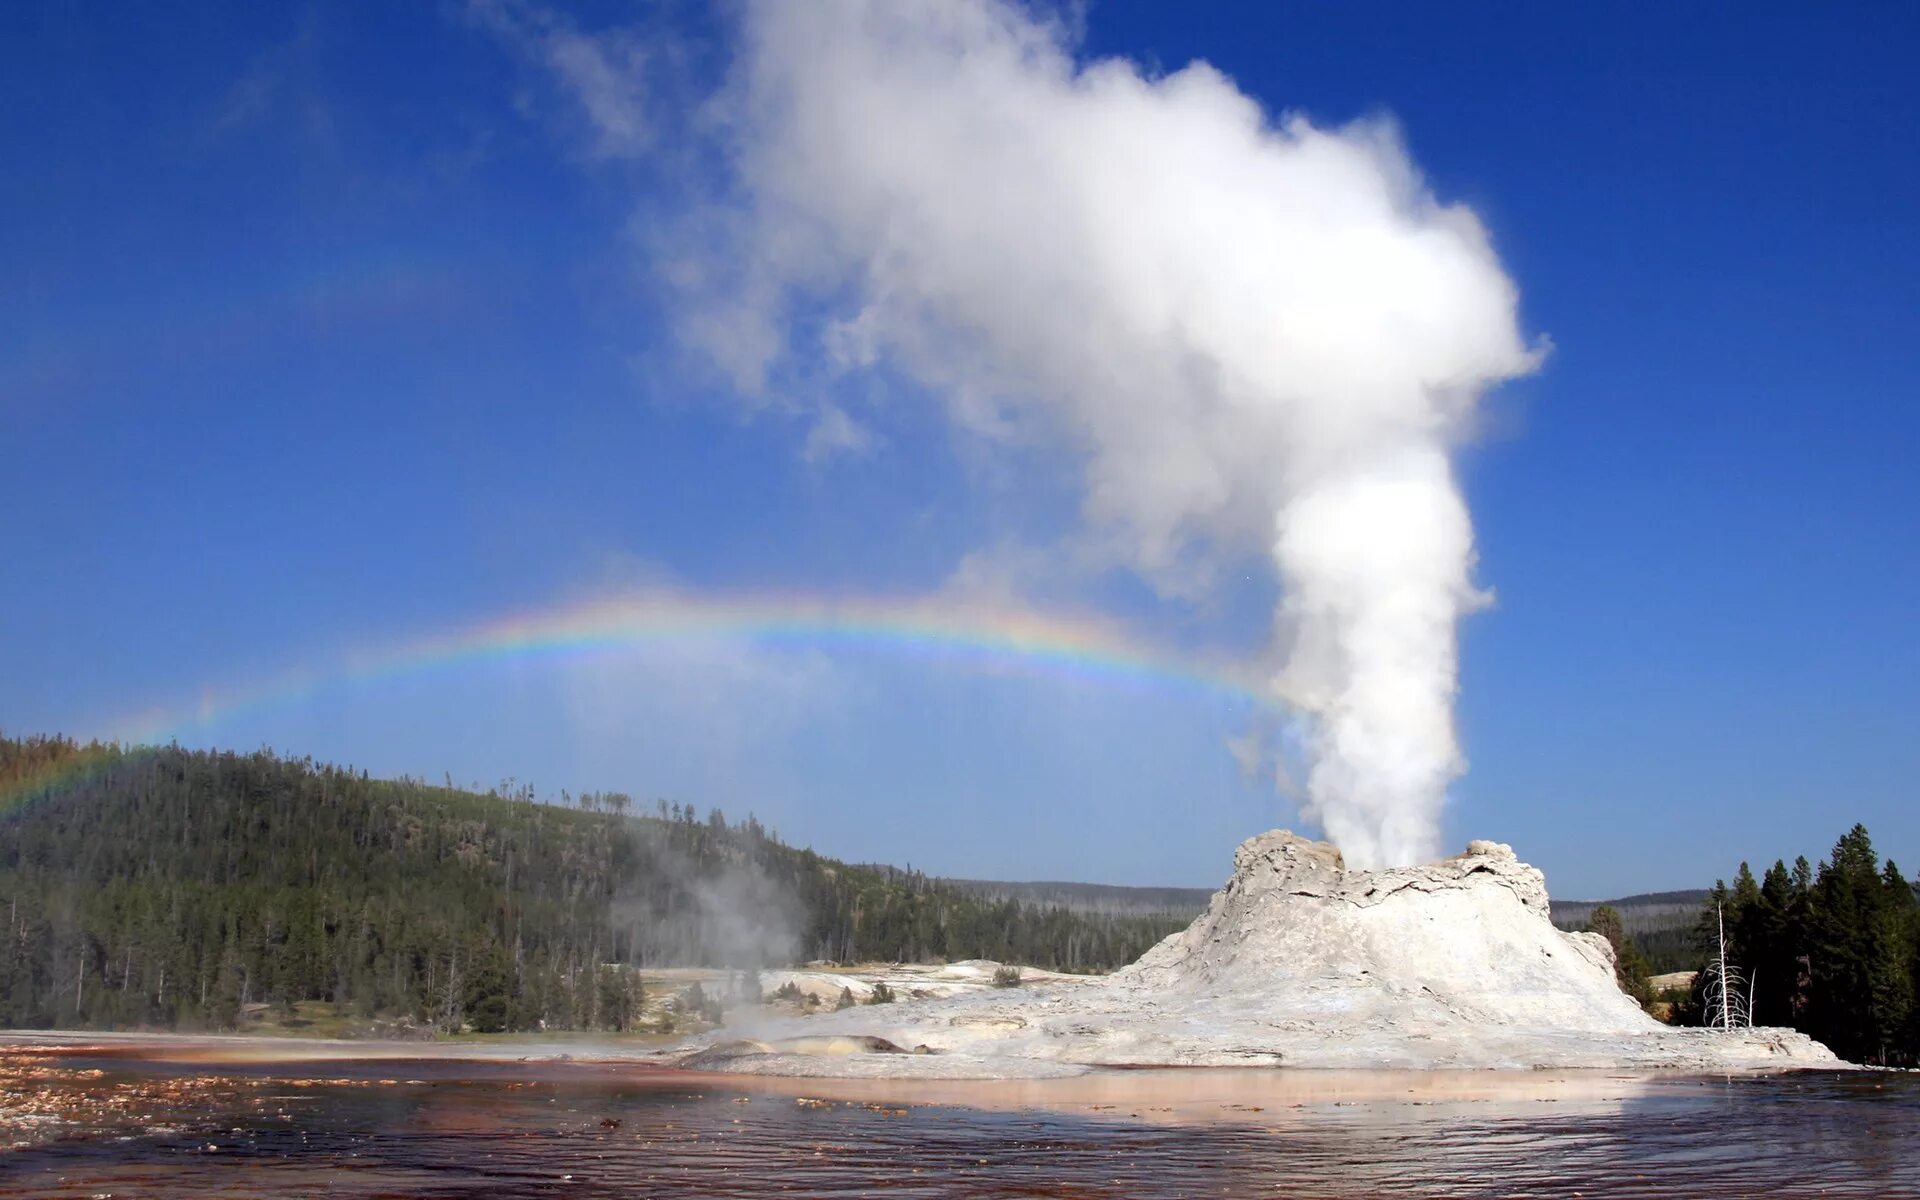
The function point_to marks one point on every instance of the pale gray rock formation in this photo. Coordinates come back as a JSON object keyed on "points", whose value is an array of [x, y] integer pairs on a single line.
{"points": [[1300, 962], [1468, 938]]}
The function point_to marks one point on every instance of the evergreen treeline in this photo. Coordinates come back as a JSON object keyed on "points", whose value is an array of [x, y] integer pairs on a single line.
{"points": [[165, 887], [1668, 949], [1833, 950]]}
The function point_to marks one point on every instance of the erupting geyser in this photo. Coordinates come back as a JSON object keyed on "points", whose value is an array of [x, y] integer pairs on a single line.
{"points": [[1257, 333]]}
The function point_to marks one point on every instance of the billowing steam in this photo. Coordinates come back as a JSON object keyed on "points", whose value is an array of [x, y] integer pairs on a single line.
{"points": [[1256, 332]]}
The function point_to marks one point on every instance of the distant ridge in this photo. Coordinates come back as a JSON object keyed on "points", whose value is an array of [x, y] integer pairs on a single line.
{"points": [[1647, 909], [1105, 899], [1691, 896]]}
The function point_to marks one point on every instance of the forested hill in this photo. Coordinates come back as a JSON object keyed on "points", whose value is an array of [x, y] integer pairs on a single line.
{"points": [[1646, 904], [1661, 924], [160, 886], [1106, 898]]}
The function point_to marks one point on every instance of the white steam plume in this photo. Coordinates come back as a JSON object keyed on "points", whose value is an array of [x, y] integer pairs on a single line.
{"points": [[1256, 332]]}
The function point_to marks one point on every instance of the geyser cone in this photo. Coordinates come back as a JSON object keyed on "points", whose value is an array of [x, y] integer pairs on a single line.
{"points": [[1466, 937]]}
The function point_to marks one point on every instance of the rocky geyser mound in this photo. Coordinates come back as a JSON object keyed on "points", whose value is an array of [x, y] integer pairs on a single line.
{"points": [[1467, 938], [1300, 962]]}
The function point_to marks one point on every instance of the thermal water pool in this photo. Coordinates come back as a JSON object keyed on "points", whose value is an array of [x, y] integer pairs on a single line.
{"points": [[120, 1120]]}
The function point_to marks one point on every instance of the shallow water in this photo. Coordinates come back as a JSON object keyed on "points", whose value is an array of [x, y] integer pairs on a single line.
{"points": [[84, 1123]]}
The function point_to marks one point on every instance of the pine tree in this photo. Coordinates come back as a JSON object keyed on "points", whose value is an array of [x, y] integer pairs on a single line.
{"points": [[1774, 951], [1629, 964], [1861, 993]]}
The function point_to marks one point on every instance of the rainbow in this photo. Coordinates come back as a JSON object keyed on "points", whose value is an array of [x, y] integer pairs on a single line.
{"points": [[39, 768], [990, 640]]}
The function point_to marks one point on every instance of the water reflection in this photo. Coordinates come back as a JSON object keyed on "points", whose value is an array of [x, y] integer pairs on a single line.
{"points": [[83, 1124]]}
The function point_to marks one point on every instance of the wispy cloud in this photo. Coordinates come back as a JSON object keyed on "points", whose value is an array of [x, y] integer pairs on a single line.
{"points": [[606, 73], [834, 434], [280, 89], [247, 102]]}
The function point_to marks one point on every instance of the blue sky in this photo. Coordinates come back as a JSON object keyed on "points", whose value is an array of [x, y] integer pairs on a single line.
{"points": [[332, 327]]}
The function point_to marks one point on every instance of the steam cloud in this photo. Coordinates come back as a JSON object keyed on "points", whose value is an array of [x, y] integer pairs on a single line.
{"points": [[1258, 333]]}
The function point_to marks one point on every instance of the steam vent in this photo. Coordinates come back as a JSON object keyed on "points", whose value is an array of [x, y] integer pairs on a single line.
{"points": [[1300, 962]]}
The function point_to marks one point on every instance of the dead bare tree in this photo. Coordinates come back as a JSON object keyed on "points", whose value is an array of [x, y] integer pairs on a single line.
{"points": [[1726, 996]]}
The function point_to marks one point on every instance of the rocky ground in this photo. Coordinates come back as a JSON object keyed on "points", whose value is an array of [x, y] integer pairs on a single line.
{"points": [[1297, 962]]}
